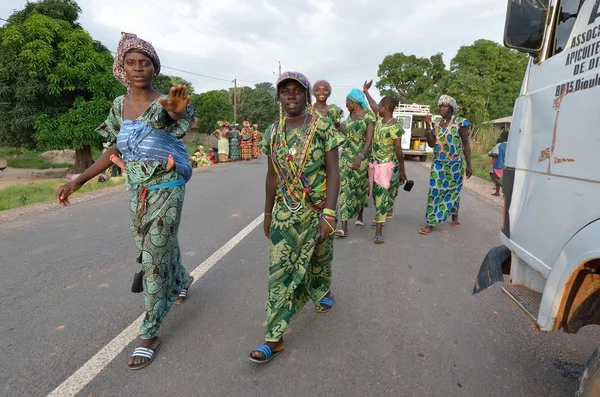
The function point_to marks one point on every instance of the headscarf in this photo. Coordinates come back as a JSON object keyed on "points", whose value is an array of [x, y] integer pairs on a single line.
{"points": [[357, 96], [297, 76], [448, 100], [130, 42], [323, 83]]}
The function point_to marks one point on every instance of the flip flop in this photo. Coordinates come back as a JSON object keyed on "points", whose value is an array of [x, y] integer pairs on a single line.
{"points": [[389, 216], [184, 292], [379, 240], [327, 302], [340, 233], [144, 352], [268, 354], [455, 224], [359, 224], [425, 231]]}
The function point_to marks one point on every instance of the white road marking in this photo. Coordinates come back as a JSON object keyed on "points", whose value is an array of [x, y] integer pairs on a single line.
{"points": [[84, 375]]}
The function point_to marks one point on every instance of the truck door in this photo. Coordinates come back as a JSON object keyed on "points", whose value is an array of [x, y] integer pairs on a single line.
{"points": [[407, 124]]}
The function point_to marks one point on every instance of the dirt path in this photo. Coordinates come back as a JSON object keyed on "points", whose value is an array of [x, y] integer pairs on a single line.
{"points": [[25, 176]]}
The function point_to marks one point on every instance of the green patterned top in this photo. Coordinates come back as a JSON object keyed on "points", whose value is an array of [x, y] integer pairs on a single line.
{"points": [[449, 144], [382, 149], [145, 173], [335, 113], [326, 138], [356, 135]]}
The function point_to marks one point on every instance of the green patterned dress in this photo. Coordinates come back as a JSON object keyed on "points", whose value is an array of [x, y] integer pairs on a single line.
{"points": [[154, 215], [297, 275], [354, 191], [334, 113], [447, 172], [383, 151]]}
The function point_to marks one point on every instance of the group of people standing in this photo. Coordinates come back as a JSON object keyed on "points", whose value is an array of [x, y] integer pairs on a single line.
{"points": [[235, 144], [305, 177]]}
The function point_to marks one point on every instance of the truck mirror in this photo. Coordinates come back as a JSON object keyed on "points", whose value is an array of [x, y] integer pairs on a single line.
{"points": [[526, 24]]}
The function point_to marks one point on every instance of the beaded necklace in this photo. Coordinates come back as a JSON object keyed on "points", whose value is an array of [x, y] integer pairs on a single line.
{"points": [[294, 185]]}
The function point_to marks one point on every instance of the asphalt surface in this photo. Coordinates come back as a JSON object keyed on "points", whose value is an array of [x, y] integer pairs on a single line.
{"points": [[405, 323]]}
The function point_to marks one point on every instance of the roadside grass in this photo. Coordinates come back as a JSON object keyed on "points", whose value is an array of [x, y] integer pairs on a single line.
{"points": [[22, 195], [25, 158]]}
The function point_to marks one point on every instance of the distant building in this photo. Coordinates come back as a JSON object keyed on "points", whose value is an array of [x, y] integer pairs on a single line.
{"points": [[500, 124]]}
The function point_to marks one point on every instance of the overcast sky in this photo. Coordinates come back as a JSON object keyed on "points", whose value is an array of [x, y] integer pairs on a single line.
{"points": [[342, 41]]}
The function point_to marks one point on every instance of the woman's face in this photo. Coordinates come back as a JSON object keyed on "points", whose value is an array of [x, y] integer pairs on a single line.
{"points": [[139, 69], [349, 105], [382, 109], [321, 93], [445, 110], [293, 97]]}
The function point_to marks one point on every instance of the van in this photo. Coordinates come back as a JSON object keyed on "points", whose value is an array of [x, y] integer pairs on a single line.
{"points": [[551, 229], [414, 139]]}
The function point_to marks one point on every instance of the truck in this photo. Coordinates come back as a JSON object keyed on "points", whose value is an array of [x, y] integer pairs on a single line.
{"points": [[414, 141], [550, 237]]}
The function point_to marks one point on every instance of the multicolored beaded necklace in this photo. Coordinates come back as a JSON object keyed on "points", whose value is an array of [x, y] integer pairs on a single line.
{"points": [[291, 174]]}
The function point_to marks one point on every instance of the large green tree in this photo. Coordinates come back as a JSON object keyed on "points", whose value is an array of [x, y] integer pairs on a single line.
{"points": [[267, 87], [410, 78], [56, 83], [211, 107], [163, 83], [260, 107]]}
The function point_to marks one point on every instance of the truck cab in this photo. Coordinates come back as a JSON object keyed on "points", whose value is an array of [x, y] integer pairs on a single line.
{"points": [[551, 228], [414, 140]]}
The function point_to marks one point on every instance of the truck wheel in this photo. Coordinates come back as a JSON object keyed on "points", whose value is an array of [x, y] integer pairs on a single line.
{"points": [[589, 385], [423, 158]]}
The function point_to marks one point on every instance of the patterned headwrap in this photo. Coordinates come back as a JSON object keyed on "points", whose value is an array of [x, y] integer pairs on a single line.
{"points": [[130, 42], [220, 123], [448, 100], [324, 83], [255, 125], [357, 96], [300, 78]]}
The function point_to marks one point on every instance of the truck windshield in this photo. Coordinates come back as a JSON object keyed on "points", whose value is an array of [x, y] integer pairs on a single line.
{"points": [[525, 24], [569, 9]]}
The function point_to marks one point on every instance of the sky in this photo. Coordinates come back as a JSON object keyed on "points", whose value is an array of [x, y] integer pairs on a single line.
{"points": [[342, 41]]}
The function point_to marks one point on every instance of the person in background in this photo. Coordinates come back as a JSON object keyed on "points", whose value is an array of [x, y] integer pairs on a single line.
{"points": [[322, 92], [498, 154], [255, 142], [354, 164], [246, 141], [448, 135], [234, 143], [222, 135]]}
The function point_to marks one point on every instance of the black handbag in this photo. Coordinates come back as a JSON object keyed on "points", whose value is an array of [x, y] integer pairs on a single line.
{"points": [[409, 185]]}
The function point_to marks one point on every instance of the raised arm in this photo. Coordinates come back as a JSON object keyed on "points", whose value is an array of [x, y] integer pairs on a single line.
{"points": [[374, 105]]}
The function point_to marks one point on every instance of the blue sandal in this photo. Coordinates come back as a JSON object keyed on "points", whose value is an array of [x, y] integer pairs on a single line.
{"points": [[327, 302], [379, 240], [268, 354]]}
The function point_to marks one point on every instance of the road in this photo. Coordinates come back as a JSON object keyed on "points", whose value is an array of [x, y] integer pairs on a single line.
{"points": [[405, 323]]}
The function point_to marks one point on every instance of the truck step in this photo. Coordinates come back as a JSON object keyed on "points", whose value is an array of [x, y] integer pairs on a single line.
{"points": [[528, 300]]}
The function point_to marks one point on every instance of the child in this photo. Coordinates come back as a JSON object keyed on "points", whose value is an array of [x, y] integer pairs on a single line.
{"points": [[498, 154]]}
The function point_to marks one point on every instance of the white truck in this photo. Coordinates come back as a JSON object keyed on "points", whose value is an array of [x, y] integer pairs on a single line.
{"points": [[551, 230], [414, 141]]}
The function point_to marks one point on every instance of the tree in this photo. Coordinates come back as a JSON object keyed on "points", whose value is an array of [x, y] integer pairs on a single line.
{"points": [[267, 87], [409, 78], [500, 68], [56, 83], [163, 83], [259, 107], [211, 107]]}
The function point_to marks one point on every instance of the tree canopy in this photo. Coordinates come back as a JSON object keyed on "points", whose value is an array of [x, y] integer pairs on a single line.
{"points": [[163, 83]]}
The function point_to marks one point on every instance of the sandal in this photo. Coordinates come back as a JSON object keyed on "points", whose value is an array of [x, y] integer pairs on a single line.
{"points": [[325, 301], [144, 352], [268, 354], [455, 224], [341, 233], [359, 224], [379, 240], [184, 292], [425, 231], [390, 216]]}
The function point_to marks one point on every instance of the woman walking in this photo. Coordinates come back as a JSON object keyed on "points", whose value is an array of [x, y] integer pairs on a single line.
{"points": [[141, 126], [301, 196], [449, 137], [322, 92], [359, 130], [386, 146]]}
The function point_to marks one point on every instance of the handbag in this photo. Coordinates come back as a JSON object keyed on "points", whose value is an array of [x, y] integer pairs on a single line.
{"points": [[409, 185]]}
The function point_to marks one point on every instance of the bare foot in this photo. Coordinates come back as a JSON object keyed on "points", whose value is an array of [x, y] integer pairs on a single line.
{"points": [[496, 194], [118, 161], [171, 163]]}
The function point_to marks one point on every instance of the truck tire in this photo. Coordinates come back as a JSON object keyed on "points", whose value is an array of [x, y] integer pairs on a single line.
{"points": [[423, 158], [589, 386]]}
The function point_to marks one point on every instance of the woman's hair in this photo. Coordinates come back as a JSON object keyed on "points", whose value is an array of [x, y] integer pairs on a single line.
{"points": [[390, 102]]}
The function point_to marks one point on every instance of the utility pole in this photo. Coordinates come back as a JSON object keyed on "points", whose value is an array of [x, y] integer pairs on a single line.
{"points": [[234, 101]]}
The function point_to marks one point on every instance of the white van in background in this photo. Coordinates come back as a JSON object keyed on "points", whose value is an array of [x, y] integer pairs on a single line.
{"points": [[551, 231], [414, 140]]}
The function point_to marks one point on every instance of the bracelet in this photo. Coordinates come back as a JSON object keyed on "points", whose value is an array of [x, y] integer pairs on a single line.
{"points": [[327, 217], [268, 214], [362, 156], [330, 212], [365, 90]]}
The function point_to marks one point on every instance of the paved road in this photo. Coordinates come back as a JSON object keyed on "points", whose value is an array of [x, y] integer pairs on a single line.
{"points": [[405, 323]]}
